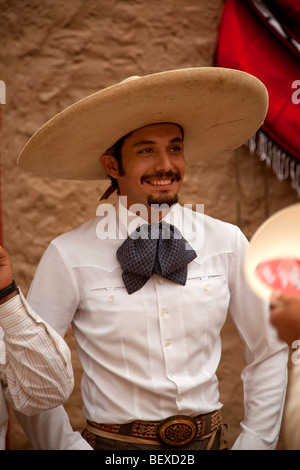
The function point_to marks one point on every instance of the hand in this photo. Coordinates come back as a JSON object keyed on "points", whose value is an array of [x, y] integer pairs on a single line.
{"points": [[6, 276], [285, 317]]}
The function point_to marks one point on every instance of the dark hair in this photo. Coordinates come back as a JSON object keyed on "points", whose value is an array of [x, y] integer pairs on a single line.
{"points": [[116, 151]]}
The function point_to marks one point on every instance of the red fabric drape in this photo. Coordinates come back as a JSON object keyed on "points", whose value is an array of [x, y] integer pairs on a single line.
{"points": [[246, 43], [287, 12]]}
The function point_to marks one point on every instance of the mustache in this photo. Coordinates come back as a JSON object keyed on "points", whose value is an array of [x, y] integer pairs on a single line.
{"points": [[162, 174]]}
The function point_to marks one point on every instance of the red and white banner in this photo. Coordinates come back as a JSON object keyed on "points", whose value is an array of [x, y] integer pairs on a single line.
{"points": [[263, 38]]}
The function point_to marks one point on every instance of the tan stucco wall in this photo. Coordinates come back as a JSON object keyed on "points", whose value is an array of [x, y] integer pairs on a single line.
{"points": [[56, 52]]}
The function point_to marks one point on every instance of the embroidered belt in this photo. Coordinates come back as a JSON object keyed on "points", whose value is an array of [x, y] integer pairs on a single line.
{"points": [[176, 431]]}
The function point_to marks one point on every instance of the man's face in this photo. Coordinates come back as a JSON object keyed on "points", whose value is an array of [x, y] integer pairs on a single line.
{"points": [[153, 165]]}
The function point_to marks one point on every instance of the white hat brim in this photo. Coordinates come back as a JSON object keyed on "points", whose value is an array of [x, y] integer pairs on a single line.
{"points": [[218, 108]]}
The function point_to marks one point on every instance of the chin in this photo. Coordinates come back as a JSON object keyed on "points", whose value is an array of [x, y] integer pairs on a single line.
{"points": [[163, 199]]}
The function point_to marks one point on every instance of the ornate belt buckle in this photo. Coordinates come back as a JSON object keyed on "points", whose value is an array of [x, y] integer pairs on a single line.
{"points": [[177, 431]]}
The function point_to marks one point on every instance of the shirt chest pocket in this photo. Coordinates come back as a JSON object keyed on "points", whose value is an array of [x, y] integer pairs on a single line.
{"points": [[206, 280], [99, 287], [210, 283], [104, 300], [109, 290]]}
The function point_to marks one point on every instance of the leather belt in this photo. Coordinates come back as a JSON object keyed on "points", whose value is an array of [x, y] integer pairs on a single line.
{"points": [[176, 431]]}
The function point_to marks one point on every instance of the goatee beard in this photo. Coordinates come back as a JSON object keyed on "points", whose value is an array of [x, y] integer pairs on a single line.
{"points": [[163, 199]]}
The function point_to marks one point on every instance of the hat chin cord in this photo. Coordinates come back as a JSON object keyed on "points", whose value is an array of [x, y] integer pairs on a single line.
{"points": [[111, 189]]}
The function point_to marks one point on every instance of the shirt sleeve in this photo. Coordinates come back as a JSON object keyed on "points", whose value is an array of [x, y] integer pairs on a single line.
{"points": [[3, 417], [265, 374], [292, 410], [51, 430], [54, 278], [38, 370]]}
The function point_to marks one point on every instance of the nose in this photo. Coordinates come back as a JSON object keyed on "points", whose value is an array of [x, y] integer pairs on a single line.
{"points": [[163, 162]]}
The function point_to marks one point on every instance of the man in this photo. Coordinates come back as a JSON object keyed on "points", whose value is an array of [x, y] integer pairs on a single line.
{"points": [[148, 301], [35, 365]]}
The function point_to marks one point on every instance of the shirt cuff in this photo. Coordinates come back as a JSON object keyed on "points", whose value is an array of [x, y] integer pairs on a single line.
{"points": [[80, 444], [249, 441], [14, 316]]}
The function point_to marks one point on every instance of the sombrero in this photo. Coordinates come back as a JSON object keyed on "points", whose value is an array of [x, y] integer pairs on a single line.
{"points": [[219, 110], [272, 260]]}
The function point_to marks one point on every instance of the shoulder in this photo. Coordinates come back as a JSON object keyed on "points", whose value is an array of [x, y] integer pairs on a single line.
{"points": [[87, 230], [214, 226], [84, 247], [211, 235], [221, 228]]}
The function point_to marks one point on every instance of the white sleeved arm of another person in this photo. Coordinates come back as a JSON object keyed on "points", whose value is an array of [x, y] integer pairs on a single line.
{"points": [[265, 374], [38, 368]]}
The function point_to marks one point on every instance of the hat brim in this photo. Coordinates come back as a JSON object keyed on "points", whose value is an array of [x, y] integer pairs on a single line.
{"points": [[276, 239], [218, 108]]}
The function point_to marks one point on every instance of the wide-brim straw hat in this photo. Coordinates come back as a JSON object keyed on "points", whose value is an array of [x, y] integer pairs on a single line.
{"points": [[218, 108], [272, 260]]}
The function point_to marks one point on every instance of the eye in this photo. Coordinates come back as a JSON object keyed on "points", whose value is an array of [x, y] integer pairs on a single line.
{"points": [[145, 150], [176, 148]]}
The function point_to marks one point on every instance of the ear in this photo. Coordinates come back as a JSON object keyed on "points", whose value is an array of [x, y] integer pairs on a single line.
{"points": [[110, 164]]}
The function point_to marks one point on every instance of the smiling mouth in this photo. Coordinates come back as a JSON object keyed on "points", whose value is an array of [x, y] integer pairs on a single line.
{"points": [[161, 183], [160, 179]]}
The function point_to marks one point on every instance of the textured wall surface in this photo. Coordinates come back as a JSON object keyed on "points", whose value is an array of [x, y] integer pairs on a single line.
{"points": [[56, 52]]}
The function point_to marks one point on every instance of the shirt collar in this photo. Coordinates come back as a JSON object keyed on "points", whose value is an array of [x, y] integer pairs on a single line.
{"points": [[186, 221], [129, 220]]}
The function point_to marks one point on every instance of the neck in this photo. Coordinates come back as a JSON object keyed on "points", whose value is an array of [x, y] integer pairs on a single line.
{"points": [[151, 213], [157, 212]]}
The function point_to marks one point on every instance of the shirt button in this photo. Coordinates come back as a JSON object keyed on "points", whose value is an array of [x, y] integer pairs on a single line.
{"points": [[167, 344], [111, 298], [179, 398], [160, 281], [20, 313], [164, 312], [207, 287]]}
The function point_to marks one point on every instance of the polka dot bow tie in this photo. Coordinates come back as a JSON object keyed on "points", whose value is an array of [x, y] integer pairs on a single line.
{"points": [[157, 248]]}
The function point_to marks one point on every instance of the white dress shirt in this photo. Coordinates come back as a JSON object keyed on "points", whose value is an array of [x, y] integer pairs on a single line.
{"points": [[35, 363], [154, 353]]}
